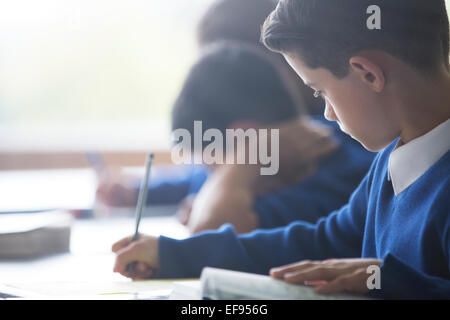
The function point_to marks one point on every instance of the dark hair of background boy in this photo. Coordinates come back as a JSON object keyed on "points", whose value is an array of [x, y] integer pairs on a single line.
{"points": [[233, 82], [241, 20], [327, 33]]}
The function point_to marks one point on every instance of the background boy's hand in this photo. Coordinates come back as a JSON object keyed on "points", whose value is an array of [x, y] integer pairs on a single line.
{"points": [[334, 275], [303, 142], [144, 251], [116, 189]]}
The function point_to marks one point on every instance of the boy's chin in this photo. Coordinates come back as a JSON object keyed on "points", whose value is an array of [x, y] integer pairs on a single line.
{"points": [[369, 143], [374, 146]]}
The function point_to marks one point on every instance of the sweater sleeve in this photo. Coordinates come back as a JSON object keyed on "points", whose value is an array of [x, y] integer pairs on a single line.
{"points": [[337, 236], [173, 188], [400, 281]]}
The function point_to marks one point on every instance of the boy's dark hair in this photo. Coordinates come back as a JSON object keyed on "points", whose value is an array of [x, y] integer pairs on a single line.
{"points": [[237, 20], [327, 33], [241, 20], [232, 82]]}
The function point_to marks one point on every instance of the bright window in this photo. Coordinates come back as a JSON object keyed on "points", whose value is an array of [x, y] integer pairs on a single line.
{"points": [[92, 74]]}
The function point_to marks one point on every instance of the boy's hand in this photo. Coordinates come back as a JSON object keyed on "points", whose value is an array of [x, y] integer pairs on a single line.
{"points": [[330, 276], [144, 251]]}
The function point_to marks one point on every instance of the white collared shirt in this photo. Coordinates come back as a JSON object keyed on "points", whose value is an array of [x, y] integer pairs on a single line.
{"points": [[409, 162]]}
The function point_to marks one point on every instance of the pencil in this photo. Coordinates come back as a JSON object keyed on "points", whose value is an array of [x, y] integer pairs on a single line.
{"points": [[142, 200], [96, 161]]}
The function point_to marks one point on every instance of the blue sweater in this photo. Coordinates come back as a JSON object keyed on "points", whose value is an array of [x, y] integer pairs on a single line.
{"points": [[173, 188], [410, 232]]}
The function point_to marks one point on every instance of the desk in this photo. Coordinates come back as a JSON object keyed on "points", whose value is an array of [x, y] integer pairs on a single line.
{"points": [[43, 189], [90, 259], [59, 188]]}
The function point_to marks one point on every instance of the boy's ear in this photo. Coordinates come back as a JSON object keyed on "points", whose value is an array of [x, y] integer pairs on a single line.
{"points": [[370, 72]]}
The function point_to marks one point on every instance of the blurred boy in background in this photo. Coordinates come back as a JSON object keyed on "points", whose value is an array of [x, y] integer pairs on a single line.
{"points": [[234, 85], [180, 184], [289, 198]]}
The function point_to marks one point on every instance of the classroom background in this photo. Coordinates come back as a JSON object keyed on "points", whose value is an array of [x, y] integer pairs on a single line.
{"points": [[72, 73]]}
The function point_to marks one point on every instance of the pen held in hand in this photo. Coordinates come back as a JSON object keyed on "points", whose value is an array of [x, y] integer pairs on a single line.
{"points": [[142, 200], [96, 161]]}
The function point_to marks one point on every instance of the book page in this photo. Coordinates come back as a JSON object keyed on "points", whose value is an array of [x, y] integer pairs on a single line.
{"points": [[231, 285]]}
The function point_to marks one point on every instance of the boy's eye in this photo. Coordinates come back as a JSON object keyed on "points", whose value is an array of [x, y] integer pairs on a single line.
{"points": [[317, 94]]}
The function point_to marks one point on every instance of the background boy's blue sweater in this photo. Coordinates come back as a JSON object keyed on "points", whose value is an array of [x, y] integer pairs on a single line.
{"points": [[411, 232], [172, 188]]}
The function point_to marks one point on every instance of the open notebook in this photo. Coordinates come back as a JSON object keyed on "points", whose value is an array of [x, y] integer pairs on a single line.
{"points": [[220, 284]]}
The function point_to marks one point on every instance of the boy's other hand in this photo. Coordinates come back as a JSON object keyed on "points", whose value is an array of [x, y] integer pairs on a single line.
{"points": [[329, 276], [144, 251]]}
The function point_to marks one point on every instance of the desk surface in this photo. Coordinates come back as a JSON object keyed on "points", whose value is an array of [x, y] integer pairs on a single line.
{"points": [[60, 188], [90, 258], [30, 190]]}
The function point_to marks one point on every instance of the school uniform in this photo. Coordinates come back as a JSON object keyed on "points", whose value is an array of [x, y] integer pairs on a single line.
{"points": [[172, 188], [400, 213]]}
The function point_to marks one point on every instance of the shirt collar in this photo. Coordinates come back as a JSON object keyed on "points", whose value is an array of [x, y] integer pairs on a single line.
{"points": [[409, 162]]}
